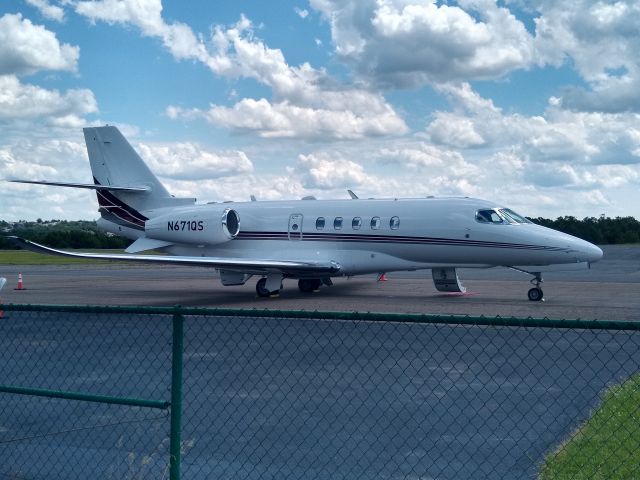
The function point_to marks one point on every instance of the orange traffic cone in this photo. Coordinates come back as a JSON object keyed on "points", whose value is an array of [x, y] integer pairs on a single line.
{"points": [[20, 284], [382, 277], [2, 282]]}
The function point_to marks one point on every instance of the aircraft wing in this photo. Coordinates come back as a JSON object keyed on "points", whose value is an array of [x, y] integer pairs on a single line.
{"points": [[241, 264]]}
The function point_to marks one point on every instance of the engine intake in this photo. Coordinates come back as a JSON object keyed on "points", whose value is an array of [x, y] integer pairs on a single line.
{"points": [[231, 222]]}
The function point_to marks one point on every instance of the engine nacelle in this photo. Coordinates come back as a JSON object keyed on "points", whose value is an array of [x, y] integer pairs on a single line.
{"points": [[203, 227]]}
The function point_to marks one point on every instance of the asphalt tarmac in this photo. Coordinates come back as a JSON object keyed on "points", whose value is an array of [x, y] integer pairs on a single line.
{"points": [[310, 399], [610, 290], [300, 399]]}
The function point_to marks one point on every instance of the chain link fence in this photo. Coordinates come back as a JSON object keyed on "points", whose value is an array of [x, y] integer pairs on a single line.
{"points": [[311, 395]]}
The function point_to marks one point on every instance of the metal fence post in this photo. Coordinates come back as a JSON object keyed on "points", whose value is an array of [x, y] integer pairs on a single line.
{"points": [[176, 396]]}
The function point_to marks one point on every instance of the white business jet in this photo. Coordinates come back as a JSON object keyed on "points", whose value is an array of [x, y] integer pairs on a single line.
{"points": [[311, 240]]}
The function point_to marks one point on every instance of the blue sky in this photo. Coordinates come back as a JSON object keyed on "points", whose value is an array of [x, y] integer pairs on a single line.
{"points": [[531, 104]]}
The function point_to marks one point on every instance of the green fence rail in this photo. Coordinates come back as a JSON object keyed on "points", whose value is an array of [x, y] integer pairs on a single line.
{"points": [[146, 392]]}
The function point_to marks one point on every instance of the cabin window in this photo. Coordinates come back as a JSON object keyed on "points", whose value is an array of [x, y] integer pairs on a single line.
{"points": [[320, 223], [394, 223], [356, 223], [337, 223], [375, 223], [488, 216]]}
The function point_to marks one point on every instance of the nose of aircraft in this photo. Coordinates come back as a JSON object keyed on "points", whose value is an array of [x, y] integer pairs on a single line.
{"points": [[586, 252], [578, 250], [592, 252]]}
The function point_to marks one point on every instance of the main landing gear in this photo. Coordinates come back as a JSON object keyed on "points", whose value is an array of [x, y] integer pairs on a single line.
{"points": [[271, 285], [308, 285], [261, 290]]}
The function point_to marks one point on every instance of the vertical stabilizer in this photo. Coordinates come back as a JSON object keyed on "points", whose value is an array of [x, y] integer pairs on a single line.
{"points": [[115, 163]]}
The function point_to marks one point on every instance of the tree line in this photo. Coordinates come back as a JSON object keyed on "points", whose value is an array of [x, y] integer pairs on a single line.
{"points": [[599, 230], [86, 235], [61, 234]]}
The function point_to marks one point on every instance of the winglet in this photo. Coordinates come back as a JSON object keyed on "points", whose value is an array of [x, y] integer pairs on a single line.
{"points": [[31, 246], [352, 195]]}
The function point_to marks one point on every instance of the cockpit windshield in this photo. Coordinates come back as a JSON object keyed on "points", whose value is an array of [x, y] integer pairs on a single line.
{"points": [[500, 216], [513, 217]]}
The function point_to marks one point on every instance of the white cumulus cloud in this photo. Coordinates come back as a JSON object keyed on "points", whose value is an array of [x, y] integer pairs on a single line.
{"points": [[601, 40], [27, 48], [328, 172], [426, 157], [283, 120], [558, 135], [34, 157], [51, 12], [20, 101], [402, 43], [307, 103], [190, 161], [177, 37], [301, 12]]}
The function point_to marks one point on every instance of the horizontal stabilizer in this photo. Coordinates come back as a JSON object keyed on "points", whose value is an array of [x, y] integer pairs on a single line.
{"points": [[87, 185], [143, 243], [248, 265]]}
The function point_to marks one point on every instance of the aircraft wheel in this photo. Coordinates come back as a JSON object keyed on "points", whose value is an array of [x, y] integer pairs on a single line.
{"points": [[308, 285], [535, 294], [261, 288]]}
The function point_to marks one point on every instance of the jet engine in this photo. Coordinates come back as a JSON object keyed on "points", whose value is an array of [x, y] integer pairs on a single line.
{"points": [[203, 227]]}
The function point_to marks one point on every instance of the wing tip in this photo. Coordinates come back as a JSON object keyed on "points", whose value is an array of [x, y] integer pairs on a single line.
{"points": [[15, 239]]}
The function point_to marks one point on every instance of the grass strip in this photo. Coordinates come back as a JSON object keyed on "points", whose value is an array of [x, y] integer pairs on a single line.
{"points": [[607, 445], [24, 257]]}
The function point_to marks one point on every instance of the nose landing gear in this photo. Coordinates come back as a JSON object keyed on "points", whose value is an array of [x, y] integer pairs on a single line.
{"points": [[536, 294]]}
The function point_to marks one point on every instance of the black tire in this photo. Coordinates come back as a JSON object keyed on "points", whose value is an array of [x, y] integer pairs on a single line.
{"points": [[535, 294], [261, 288], [308, 285]]}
